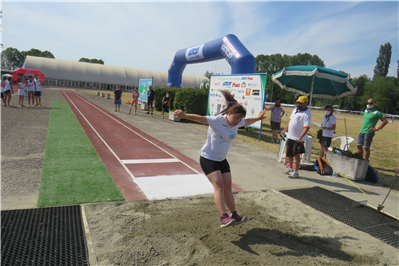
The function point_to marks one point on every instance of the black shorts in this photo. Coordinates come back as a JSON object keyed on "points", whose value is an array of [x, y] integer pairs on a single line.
{"points": [[275, 125], [7, 92], [209, 166], [164, 105], [38, 93], [325, 141], [294, 148], [2, 95], [150, 102]]}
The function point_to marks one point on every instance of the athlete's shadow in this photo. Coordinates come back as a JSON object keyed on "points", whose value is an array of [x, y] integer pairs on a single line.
{"points": [[313, 246]]}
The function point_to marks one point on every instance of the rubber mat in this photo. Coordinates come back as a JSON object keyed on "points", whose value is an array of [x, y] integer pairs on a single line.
{"points": [[350, 212], [44, 236]]}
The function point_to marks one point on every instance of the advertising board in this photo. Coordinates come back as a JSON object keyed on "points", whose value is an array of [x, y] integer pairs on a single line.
{"points": [[144, 83], [248, 90]]}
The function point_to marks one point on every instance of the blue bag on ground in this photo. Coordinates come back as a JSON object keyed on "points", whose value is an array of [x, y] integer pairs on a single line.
{"points": [[371, 175]]}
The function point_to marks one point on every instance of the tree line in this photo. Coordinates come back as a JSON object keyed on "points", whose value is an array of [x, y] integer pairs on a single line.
{"points": [[383, 89], [12, 58]]}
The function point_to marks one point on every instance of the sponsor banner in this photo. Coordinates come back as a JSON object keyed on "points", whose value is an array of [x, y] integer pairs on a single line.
{"points": [[194, 53], [248, 90], [144, 83]]}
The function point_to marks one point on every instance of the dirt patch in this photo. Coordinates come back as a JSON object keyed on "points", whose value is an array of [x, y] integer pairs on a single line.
{"points": [[280, 231]]}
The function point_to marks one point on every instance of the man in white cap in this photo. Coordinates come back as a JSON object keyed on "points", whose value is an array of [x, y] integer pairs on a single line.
{"points": [[297, 127]]}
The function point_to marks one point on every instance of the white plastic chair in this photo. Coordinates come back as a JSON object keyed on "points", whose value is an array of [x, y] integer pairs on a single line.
{"points": [[343, 145]]}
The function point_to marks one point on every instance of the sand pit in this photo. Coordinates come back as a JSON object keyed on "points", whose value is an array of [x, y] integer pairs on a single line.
{"points": [[280, 231]]}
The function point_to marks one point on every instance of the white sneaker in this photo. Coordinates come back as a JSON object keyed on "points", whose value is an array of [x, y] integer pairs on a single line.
{"points": [[294, 174], [272, 140], [288, 171], [278, 141]]}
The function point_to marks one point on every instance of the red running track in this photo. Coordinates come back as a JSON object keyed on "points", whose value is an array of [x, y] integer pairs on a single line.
{"points": [[141, 166]]}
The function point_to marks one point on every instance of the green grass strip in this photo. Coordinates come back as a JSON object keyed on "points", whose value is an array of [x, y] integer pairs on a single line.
{"points": [[73, 172]]}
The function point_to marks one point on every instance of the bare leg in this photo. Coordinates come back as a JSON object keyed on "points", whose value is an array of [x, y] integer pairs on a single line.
{"points": [[291, 162], [217, 182], [228, 193], [274, 135], [297, 162], [366, 153], [9, 99], [360, 149], [322, 151]]}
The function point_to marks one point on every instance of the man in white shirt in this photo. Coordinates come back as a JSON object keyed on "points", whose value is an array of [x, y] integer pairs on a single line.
{"points": [[328, 127], [297, 127]]}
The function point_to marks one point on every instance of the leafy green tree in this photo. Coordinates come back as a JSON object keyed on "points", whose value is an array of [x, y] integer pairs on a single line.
{"points": [[208, 75], [36, 52], [47, 54], [276, 62], [84, 59], [306, 60], [385, 92], [93, 60], [354, 102], [11, 59], [383, 61]]}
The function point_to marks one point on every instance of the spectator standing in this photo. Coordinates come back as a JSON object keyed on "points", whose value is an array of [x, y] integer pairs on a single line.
{"points": [[31, 90], [165, 103], [297, 127], [150, 100], [21, 92], [328, 127], [2, 92], [135, 100], [368, 129], [275, 119], [38, 90], [117, 99], [8, 91]]}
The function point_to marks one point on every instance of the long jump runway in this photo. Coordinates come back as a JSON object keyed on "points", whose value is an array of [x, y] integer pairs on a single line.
{"points": [[141, 166]]}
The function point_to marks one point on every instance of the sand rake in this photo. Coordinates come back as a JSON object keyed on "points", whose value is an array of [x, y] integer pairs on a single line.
{"points": [[381, 206]]}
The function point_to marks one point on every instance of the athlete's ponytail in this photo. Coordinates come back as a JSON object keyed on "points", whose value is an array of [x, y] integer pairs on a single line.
{"points": [[233, 106]]}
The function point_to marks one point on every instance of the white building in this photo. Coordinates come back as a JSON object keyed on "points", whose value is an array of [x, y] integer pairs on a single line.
{"points": [[68, 73]]}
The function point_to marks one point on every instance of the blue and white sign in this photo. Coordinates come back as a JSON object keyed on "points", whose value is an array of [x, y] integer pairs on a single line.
{"points": [[194, 53], [144, 83]]}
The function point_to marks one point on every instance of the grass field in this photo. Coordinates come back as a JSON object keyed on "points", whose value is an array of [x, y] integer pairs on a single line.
{"points": [[384, 149], [72, 170]]}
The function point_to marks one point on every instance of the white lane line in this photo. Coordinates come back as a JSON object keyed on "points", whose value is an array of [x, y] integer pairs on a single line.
{"points": [[124, 166], [139, 161], [84, 99], [178, 186]]}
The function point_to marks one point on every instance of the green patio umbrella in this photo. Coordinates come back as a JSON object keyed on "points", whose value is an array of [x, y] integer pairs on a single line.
{"points": [[314, 81]]}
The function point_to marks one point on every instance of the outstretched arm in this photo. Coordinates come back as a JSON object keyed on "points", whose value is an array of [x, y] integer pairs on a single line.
{"points": [[261, 116], [193, 117]]}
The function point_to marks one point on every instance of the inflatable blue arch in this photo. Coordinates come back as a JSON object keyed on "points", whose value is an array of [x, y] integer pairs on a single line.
{"points": [[228, 47]]}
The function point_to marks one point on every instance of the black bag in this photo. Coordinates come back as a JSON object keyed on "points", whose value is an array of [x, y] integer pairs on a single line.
{"points": [[320, 134], [323, 167]]}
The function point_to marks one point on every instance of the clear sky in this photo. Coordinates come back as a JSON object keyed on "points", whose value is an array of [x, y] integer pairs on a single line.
{"points": [[146, 35]]}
